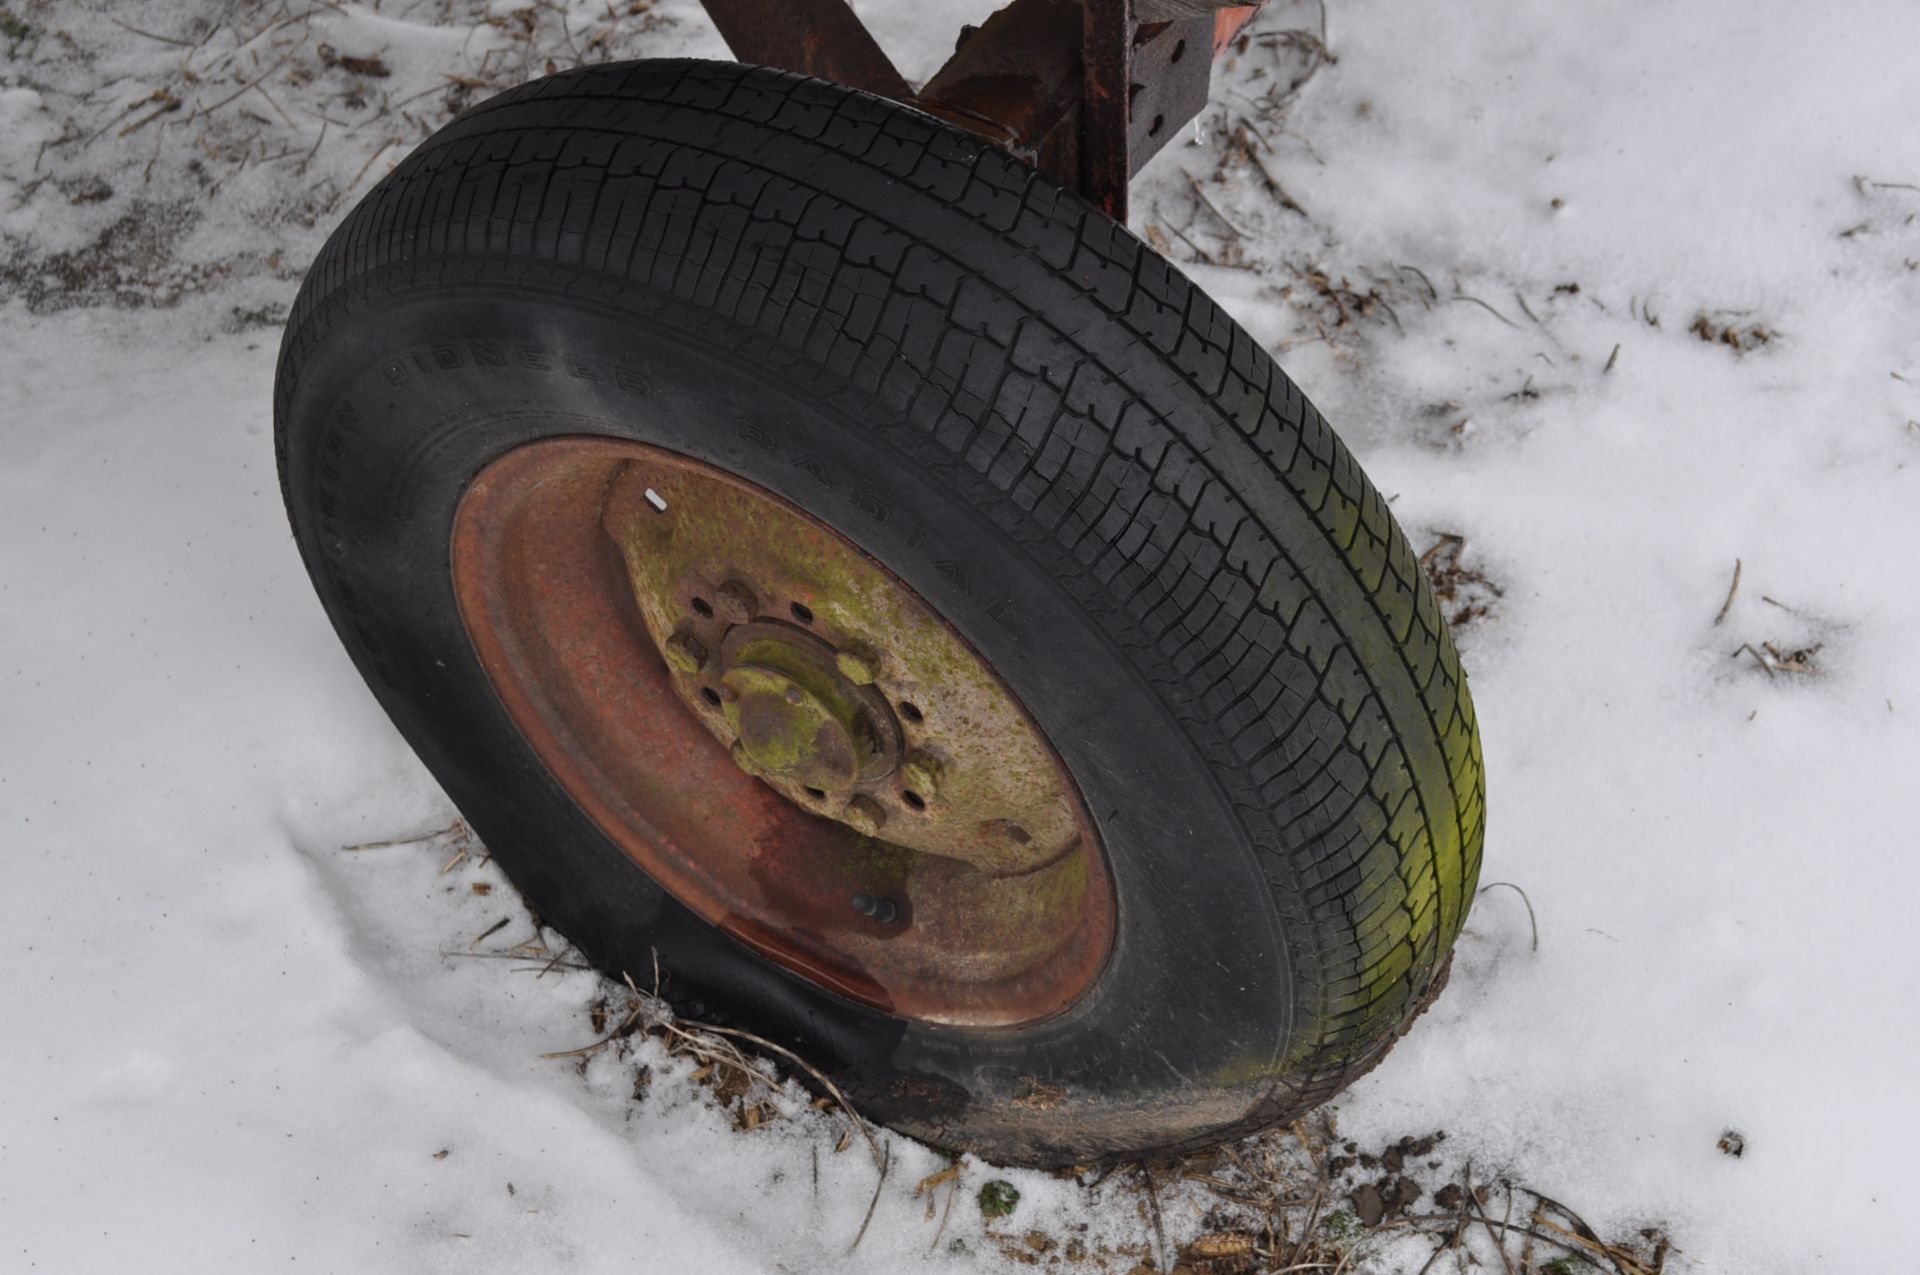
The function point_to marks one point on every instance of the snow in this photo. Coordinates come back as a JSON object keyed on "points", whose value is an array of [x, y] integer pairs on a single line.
{"points": [[230, 1044]]}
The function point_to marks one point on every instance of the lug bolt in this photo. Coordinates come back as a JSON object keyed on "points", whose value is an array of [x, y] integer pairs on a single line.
{"points": [[881, 909], [686, 652], [864, 815], [858, 665], [920, 774], [735, 603]]}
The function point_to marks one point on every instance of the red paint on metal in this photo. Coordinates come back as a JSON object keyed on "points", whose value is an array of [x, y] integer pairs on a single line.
{"points": [[815, 37], [1228, 23]]}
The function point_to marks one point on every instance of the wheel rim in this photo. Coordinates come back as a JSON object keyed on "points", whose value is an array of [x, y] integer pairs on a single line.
{"points": [[781, 732]]}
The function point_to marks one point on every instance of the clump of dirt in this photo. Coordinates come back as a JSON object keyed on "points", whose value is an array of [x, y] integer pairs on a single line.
{"points": [[1391, 1190], [1465, 592]]}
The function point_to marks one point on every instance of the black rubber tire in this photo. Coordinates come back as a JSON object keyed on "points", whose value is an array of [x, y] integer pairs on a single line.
{"points": [[1041, 426]]}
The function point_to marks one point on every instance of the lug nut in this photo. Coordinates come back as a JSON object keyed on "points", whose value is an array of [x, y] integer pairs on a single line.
{"points": [[734, 602], [686, 652], [920, 774], [882, 909], [858, 665], [864, 815]]}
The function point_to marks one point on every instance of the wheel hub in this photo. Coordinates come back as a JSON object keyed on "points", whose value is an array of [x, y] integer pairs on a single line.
{"points": [[830, 681], [797, 719]]}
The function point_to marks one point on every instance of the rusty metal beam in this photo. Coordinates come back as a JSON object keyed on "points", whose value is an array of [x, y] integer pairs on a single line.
{"points": [[1107, 33], [1170, 73], [1083, 90], [1016, 80], [815, 37]]}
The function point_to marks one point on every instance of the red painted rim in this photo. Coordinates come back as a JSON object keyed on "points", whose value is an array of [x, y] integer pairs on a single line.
{"points": [[546, 599]]}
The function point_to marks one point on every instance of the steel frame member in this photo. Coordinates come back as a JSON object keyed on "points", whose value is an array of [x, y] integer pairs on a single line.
{"points": [[1086, 91]]}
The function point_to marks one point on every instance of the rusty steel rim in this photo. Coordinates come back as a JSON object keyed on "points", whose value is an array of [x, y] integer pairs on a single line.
{"points": [[781, 732]]}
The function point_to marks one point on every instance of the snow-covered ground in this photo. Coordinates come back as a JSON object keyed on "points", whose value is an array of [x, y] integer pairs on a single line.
{"points": [[1618, 295]]}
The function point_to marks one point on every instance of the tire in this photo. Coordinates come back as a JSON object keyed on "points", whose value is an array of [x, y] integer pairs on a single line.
{"points": [[1037, 424]]}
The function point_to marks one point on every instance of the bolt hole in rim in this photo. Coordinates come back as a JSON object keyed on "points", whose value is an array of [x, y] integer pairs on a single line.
{"points": [[578, 565]]}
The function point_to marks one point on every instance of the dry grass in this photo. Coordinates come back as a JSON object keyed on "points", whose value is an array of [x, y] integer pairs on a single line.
{"points": [[259, 121], [1465, 592], [1302, 1199]]}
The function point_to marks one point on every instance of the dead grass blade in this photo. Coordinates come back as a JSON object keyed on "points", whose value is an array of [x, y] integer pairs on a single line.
{"points": [[1731, 590], [886, 1161], [934, 1181], [1201, 194], [1484, 306], [1531, 922], [946, 1213], [453, 827], [1161, 1253], [623, 1029], [1500, 1240], [762, 1042]]}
